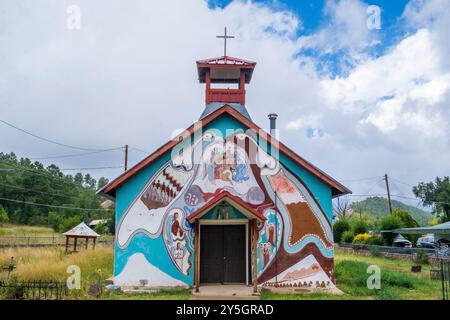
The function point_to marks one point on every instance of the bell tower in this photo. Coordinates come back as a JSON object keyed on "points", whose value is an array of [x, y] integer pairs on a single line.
{"points": [[225, 79]]}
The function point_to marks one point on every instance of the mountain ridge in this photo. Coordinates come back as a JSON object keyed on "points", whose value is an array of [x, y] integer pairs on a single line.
{"points": [[378, 206]]}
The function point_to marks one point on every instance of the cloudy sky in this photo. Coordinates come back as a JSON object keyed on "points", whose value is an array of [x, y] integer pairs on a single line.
{"points": [[355, 100]]}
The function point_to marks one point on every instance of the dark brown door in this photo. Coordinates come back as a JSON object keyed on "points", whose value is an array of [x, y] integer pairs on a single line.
{"points": [[222, 254]]}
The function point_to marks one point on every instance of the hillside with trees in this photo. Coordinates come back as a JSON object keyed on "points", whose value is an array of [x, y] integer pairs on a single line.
{"points": [[32, 194], [378, 207]]}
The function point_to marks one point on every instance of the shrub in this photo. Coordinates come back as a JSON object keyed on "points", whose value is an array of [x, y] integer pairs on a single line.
{"points": [[375, 241], [361, 238], [347, 237], [69, 223], [3, 216], [339, 227], [360, 227], [389, 223], [54, 220], [13, 290]]}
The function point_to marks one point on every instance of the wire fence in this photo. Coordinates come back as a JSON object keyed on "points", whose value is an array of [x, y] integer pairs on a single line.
{"points": [[44, 241], [386, 249], [33, 290]]}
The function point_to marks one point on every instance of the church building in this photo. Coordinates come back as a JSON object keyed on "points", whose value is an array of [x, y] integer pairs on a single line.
{"points": [[224, 202]]}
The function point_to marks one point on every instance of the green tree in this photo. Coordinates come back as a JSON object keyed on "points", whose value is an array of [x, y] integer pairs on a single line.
{"points": [[359, 226], [347, 236], [69, 223], [3, 216], [102, 182], [436, 195], [339, 227], [27, 181], [389, 223], [54, 220], [111, 222], [408, 222]]}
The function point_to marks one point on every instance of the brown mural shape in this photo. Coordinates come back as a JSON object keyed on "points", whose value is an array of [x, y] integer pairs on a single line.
{"points": [[304, 222]]}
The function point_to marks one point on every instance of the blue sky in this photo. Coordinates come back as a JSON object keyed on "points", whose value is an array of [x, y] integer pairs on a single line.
{"points": [[313, 16], [310, 11]]}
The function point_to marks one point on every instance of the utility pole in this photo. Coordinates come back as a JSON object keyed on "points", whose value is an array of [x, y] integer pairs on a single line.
{"points": [[126, 157], [388, 193]]}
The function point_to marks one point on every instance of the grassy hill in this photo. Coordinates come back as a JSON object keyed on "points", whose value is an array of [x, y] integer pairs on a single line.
{"points": [[378, 206]]}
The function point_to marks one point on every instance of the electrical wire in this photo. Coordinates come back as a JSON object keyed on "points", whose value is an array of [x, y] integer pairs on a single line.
{"points": [[46, 139], [53, 206], [75, 154], [37, 191]]}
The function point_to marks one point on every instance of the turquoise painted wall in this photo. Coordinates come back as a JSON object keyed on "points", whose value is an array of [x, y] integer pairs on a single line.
{"points": [[154, 249]]}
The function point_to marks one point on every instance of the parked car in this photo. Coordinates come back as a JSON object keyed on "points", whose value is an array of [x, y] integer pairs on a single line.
{"points": [[401, 242], [426, 241]]}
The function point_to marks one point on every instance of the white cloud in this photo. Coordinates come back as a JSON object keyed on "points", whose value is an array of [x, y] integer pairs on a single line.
{"points": [[128, 77]]}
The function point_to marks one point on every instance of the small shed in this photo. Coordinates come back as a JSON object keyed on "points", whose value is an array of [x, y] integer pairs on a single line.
{"points": [[81, 231], [97, 222]]}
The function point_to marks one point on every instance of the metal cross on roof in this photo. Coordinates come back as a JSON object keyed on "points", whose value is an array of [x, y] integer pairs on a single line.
{"points": [[225, 37]]}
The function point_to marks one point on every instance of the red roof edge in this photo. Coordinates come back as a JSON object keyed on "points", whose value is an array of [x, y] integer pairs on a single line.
{"points": [[233, 200], [337, 188], [213, 61]]}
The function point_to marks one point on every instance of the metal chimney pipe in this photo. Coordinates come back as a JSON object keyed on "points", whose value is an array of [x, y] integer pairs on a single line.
{"points": [[273, 124]]}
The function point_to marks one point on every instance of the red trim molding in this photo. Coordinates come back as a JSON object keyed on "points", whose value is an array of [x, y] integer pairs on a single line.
{"points": [[231, 199]]}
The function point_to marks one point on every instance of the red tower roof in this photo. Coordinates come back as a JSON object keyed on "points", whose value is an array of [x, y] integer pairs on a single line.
{"points": [[225, 70], [225, 62]]}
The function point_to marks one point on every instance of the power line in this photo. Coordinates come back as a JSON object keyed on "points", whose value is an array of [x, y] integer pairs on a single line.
{"points": [[361, 179], [69, 169], [53, 206], [37, 191], [45, 139], [406, 184], [58, 179], [75, 154], [91, 168], [140, 150]]}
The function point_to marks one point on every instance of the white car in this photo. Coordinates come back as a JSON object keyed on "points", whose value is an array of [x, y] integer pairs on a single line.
{"points": [[401, 242]]}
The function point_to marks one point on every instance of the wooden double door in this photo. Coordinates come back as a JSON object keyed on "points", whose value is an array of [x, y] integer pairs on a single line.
{"points": [[222, 254]]}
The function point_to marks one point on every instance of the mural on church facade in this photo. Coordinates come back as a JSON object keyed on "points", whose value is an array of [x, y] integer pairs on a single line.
{"points": [[295, 246]]}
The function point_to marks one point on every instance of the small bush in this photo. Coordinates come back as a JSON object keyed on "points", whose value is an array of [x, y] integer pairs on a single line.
{"points": [[4, 218], [360, 227], [339, 227], [361, 238], [347, 237], [13, 290]]}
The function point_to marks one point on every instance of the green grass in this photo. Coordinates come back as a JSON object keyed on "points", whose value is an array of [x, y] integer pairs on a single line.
{"points": [[22, 230], [397, 282], [176, 294]]}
